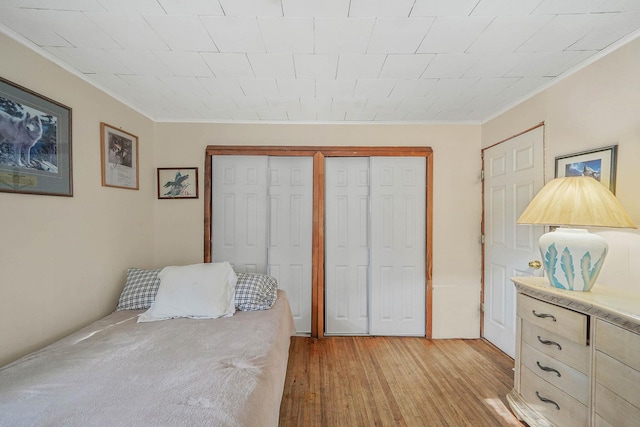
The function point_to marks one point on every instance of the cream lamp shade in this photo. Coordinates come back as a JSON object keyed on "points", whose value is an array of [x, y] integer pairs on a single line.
{"points": [[573, 257]]}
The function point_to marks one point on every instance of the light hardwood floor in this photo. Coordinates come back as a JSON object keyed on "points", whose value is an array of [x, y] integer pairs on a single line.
{"points": [[393, 381]]}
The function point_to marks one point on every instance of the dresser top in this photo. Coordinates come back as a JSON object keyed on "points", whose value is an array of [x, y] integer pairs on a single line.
{"points": [[613, 305]]}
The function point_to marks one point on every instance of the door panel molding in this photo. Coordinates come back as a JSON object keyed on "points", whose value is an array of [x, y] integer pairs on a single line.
{"points": [[319, 154]]}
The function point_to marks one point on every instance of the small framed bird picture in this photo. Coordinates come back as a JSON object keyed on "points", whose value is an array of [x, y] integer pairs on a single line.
{"points": [[177, 183]]}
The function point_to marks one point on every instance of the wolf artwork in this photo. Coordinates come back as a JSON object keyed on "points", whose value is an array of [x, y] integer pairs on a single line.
{"points": [[22, 133]]}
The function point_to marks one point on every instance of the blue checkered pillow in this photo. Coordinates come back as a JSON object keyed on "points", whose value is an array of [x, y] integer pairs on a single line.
{"points": [[140, 290], [255, 291]]}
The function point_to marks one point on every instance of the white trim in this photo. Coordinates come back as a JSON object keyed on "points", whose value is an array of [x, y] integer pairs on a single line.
{"points": [[590, 60], [593, 58], [42, 52]]}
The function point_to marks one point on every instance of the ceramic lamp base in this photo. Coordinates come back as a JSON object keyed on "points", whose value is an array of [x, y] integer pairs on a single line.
{"points": [[572, 258]]}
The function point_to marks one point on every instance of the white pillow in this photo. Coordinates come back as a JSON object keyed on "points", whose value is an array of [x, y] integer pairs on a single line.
{"points": [[200, 291]]}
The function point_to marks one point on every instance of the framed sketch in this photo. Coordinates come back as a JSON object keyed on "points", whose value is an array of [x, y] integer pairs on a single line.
{"points": [[35, 143], [177, 183], [599, 164], [119, 155]]}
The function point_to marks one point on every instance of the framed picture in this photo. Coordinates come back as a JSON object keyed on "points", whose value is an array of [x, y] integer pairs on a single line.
{"points": [[599, 163], [35, 143], [177, 183], [119, 154]]}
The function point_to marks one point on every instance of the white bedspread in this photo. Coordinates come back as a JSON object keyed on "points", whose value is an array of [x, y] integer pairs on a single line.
{"points": [[180, 372]]}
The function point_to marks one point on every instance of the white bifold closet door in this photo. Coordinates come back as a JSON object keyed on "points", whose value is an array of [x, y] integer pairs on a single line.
{"points": [[375, 245], [290, 232], [347, 245], [262, 214], [239, 212]]}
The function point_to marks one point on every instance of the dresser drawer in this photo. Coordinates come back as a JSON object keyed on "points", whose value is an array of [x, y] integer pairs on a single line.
{"points": [[553, 345], [560, 321], [566, 378], [543, 398], [608, 339], [618, 377], [613, 410]]}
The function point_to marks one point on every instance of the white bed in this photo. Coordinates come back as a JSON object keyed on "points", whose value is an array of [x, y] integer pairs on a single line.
{"points": [[116, 372]]}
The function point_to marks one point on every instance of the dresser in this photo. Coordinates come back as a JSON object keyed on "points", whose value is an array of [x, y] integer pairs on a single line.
{"points": [[577, 356]]}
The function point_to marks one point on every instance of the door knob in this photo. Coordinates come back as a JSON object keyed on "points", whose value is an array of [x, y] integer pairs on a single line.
{"points": [[535, 264]]}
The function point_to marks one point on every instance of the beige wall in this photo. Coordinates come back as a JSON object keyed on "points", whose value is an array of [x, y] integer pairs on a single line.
{"points": [[595, 107], [457, 202], [63, 260]]}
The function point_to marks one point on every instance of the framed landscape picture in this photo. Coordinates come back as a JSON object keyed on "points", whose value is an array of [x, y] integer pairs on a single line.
{"points": [[35, 143], [119, 154], [599, 164], [177, 183]]}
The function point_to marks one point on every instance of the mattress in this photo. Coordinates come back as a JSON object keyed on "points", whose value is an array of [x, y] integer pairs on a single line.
{"points": [[215, 372]]}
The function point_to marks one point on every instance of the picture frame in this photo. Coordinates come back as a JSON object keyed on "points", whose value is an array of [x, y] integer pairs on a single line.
{"points": [[35, 143], [599, 163], [178, 183], [119, 157]]}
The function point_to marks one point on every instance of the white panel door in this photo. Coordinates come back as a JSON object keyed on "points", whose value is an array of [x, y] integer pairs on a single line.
{"points": [[239, 211], [290, 232], [346, 245], [513, 175], [398, 245]]}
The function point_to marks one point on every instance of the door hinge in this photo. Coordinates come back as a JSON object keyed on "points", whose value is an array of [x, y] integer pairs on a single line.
{"points": [[482, 239], [482, 175]]}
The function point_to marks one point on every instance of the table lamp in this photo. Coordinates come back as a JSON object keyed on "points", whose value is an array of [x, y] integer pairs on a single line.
{"points": [[573, 257]]}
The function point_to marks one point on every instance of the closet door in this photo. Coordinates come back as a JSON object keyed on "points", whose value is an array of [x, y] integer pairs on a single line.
{"points": [[347, 245], [290, 232], [398, 247], [239, 211], [375, 210]]}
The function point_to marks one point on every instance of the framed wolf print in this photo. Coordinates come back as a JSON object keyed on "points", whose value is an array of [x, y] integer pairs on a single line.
{"points": [[119, 154], [35, 143], [177, 183], [599, 164]]}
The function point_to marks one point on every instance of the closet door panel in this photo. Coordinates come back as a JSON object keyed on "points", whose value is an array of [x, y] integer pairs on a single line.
{"points": [[239, 215], [347, 245], [398, 211], [290, 216]]}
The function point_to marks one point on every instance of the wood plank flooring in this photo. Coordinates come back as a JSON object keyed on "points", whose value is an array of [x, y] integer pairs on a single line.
{"points": [[393, 381]]}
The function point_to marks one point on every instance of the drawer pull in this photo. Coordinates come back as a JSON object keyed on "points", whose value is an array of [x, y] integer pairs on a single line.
{"points": [[548, 369], [545, 400], [547, 342], [544, 315]]}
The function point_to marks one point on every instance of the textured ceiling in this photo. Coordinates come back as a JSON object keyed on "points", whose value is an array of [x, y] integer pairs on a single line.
{"points": [[321, 60]]}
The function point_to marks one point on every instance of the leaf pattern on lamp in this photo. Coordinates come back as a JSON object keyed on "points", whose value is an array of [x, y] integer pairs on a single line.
{"points": [[550, 265], [589, 274], [566, 263]]}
